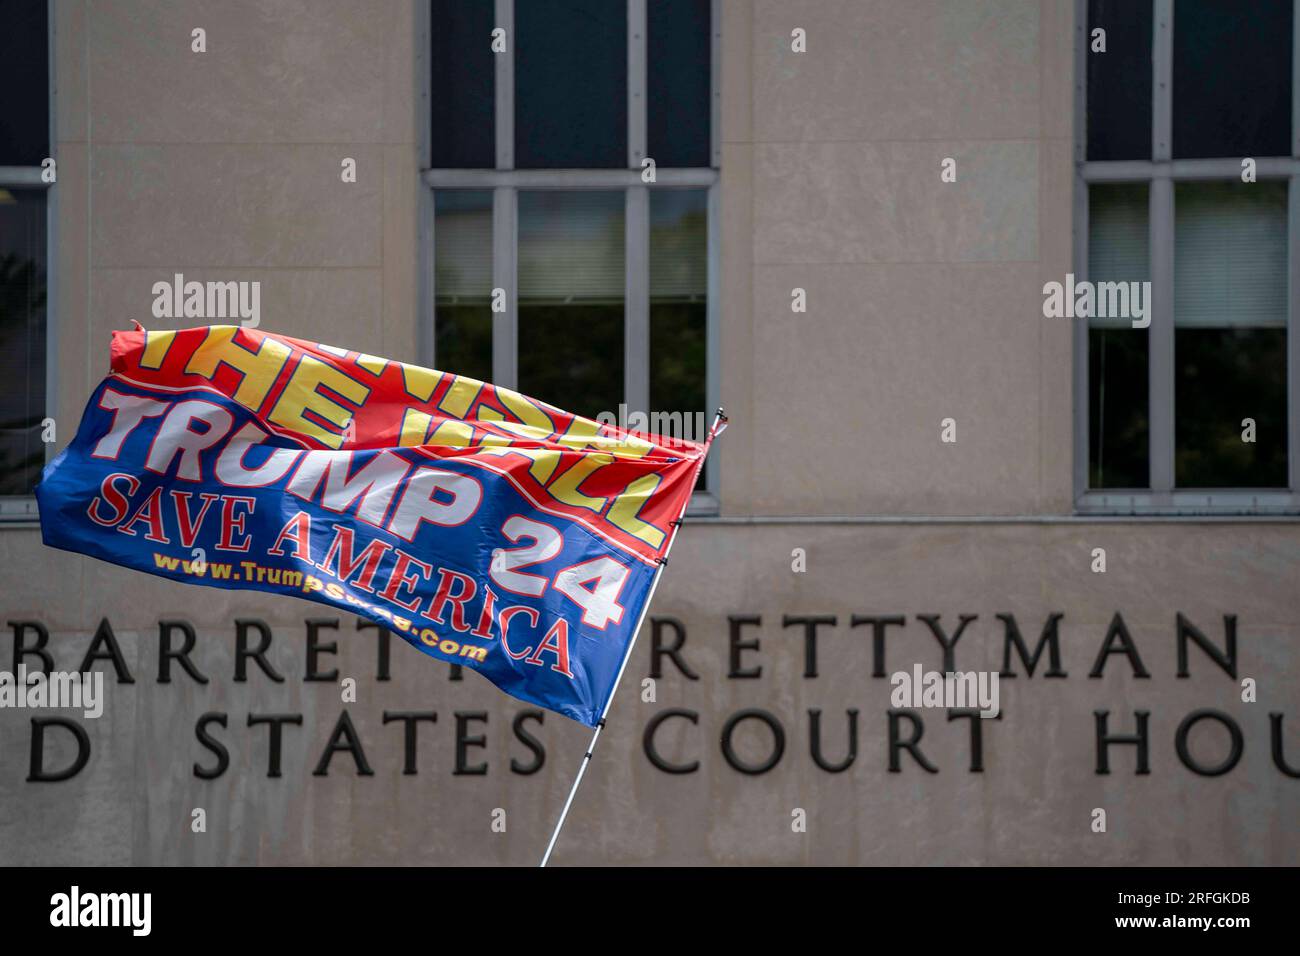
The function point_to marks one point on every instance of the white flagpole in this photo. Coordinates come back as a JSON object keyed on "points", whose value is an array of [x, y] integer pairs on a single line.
{"points": [[663, 562]]}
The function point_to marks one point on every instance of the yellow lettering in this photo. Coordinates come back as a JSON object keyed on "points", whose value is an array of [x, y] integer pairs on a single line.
{"points": [[302, 395], [530, 415], [420, 382], [544, 460], [565, 488], [415, 426], [460, 396], [259, 367], [453, 433], [156, 345], [623, 512]]}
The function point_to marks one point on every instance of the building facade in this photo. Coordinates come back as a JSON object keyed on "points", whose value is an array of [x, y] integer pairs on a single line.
{"points": [[936, 457]]}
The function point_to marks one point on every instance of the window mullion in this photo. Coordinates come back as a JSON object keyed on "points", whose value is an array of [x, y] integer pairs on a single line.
{"points": [[1293, 334], [1295, 78], [715, 84], [1082, 423], [1162, 81], [636, 300], [427, 317], [636, 83], [713, 320], [505, 212], [504, 15], [713, 330], [1161, 335], [1293, 271], [636, 306], [505, 251], [22, 177], [1161, 332], [1082, 426]]}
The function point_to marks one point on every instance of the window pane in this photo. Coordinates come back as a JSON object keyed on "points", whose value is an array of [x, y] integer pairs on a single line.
{"points": [[1232, 78], [678, 301], [1230, 307], [1230, 254], [462, 84], [570, 84], [24, 83], [571, 290], [1118, 425], [22, 338], [1224, 377], [679, 275], [462, 237], [1119, 80], [678, 107]]}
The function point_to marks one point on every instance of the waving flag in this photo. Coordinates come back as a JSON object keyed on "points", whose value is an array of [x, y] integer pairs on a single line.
{"points": [[484, 527]]}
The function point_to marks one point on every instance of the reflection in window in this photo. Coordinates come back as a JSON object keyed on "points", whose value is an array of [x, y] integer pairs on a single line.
{"points": [[571, 293], [678, 49], [678, 299], [1119, 80], [1230, 308], [24, 67], [679, 310], [1232, 78], [1118, 425], [462, 238], [22, 339], [570, 84], [462, 73]]}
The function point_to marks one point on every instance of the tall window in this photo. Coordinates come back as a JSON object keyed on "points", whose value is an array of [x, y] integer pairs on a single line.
{"points": [[1188, 180], [573, 167], [24, 145]]}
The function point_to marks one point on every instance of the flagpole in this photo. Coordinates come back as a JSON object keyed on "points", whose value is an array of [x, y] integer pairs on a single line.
{"points": [[719, 418]]}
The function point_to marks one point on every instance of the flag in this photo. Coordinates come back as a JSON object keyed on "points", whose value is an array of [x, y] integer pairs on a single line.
{"points": [[483, 527]]}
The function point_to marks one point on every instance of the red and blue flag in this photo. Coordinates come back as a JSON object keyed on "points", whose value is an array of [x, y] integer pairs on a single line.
{"points": [[484, 527]]}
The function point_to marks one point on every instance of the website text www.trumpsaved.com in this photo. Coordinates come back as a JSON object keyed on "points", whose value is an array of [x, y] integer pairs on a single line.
{"points": [[254, 573]]}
